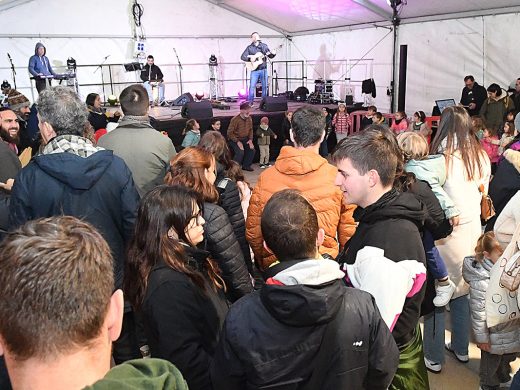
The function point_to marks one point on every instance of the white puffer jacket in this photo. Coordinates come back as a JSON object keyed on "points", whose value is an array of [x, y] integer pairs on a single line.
{"points": [[504, 338], [507, 221]]}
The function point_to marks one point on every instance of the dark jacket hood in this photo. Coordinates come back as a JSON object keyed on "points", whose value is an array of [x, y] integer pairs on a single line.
{"points": [[302, 305], [391, 205], [80, 173], [38, 45]]}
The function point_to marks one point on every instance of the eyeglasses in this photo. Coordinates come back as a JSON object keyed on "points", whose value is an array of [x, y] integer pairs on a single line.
{"points": [[197, 219]]}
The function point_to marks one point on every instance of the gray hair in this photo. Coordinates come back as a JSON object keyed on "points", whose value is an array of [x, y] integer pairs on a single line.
{"points": [[63, 110]]}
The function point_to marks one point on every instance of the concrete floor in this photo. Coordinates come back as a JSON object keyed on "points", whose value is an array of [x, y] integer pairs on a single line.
{"points": [[454, 375]]}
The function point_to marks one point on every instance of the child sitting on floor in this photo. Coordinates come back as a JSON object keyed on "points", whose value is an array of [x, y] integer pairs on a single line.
{"points": [[500, 344], [191, 134], [431, 169]]}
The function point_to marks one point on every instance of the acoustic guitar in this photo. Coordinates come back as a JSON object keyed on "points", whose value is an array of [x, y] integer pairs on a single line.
{"points": [[258, 59]]}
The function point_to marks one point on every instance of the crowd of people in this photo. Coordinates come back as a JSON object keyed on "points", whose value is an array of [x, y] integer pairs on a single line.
{"points": [[126, 261]]}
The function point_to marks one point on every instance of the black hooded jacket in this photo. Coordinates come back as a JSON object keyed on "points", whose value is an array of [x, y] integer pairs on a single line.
{"points": [[393, 223], [270, 338]]}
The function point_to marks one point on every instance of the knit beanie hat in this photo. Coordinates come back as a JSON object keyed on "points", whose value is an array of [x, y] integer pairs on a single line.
{"points": [[264, 120], [17, 100]]}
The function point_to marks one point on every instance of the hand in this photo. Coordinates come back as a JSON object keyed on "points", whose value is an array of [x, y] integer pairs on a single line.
{"points": [[262, 135], [472, 106], [484, 346], [8, 185], [240, 145], [275, 137], [454, 221], [250, 143]]}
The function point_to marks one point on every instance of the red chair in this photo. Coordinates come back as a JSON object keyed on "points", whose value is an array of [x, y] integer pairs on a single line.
{"points": [[432, 122]]}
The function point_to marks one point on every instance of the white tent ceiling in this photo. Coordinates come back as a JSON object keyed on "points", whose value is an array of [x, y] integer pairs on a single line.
{"points": [[297, 17]]}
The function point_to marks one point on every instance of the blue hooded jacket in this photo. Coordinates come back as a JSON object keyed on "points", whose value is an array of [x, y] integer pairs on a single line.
{"points": [[98, 189], [40, 65]]}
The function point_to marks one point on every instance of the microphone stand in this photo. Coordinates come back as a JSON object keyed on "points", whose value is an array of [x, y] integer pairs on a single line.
{"points": [[180, 68], [100, 66], [12, 70]]}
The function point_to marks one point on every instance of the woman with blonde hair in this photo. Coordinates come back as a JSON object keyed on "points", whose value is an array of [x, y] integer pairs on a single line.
{"points": [[467, 168], [194, 168]]}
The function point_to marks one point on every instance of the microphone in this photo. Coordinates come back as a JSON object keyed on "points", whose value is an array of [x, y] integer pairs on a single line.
{"points": [[8, 55], [107, 56]]}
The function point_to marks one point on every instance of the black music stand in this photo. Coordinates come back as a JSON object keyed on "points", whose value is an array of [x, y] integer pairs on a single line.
{"points": [[133, 67]]}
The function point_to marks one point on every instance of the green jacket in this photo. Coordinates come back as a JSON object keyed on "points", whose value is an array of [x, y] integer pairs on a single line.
{"points": [[493, 111], [264, 136], [149, 374]]}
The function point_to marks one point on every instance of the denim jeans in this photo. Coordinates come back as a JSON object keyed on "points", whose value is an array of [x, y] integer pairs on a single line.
{"points": [[434, 326], [434, 260], [255, 76], [515, 383], [148, 88], [243, 157]]}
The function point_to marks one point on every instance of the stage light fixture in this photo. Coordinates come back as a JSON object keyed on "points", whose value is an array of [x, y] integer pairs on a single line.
{"points": [[242, 93], [394, 3], [71, 64]]}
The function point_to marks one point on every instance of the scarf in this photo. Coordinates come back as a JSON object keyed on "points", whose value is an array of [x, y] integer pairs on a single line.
{"points": [[69, 143]]}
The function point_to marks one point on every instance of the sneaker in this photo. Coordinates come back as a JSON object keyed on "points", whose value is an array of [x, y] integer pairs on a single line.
{"points": [[268, 165], [249, 169], [460, 358], [432, 366], [263, 166], [443, 294]]}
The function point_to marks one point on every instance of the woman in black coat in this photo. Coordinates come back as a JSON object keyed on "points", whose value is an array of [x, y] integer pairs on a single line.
{"points": [[97, 115], [194, 167], [229, 194], [174, 285]]}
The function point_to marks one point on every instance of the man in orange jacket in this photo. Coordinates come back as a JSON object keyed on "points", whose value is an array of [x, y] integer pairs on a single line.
{"points": [[302, 168]]}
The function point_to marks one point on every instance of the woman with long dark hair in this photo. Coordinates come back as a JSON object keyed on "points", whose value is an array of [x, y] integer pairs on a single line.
{"points": [[229, 193], [194, 167], [97, 116], [175, 285], [467, 167]]}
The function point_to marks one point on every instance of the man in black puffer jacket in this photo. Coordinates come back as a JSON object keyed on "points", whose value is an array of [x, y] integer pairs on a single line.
{"points": [[310, 330]]}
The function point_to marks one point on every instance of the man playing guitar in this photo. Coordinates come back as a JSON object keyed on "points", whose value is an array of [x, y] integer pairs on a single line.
{"points": [[255, 55], [152, 78]]}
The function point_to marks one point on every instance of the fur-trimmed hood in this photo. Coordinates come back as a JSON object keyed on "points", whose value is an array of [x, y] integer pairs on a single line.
{"points": [[513, 157]]}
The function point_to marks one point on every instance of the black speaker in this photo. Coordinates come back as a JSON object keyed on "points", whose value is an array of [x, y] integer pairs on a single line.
{"points": [[183, 99], [197, 110], [274, 103]]}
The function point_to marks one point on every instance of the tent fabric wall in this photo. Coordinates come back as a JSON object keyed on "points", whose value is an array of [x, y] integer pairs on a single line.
{"points": [[89, 31], [440, 53]]}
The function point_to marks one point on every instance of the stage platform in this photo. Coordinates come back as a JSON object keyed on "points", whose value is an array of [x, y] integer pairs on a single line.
{"points": [[169, 118]]}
